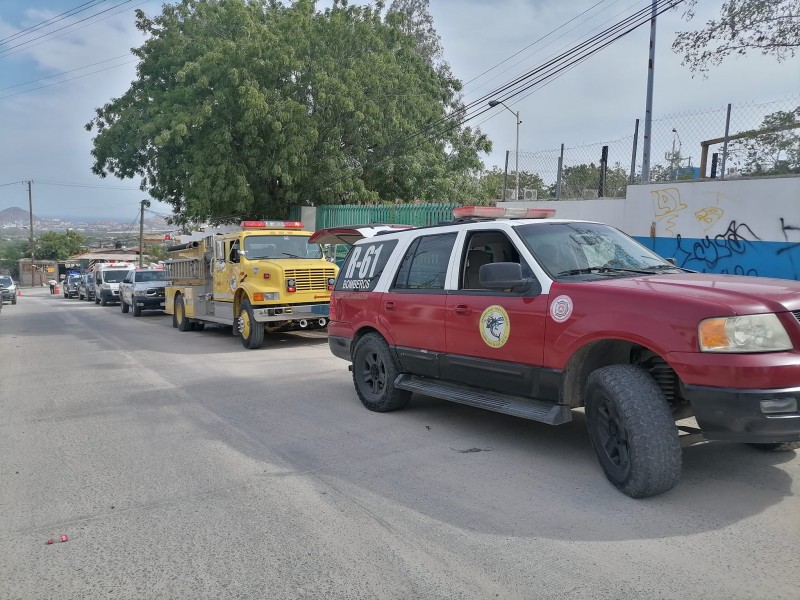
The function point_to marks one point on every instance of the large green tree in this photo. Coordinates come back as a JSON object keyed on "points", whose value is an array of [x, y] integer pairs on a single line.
{"points": [[583, 181], [52, 245], [774, 152], [770, 27], [242, 108]]}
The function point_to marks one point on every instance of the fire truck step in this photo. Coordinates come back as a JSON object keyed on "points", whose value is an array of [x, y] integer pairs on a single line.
{"points": [[527, 408]]}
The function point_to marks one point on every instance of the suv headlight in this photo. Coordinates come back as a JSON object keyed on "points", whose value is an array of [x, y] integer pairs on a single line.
{"points": [[748, 333]]}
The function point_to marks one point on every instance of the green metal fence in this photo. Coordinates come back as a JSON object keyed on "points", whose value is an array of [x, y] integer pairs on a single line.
{"points": [[417, 215]]}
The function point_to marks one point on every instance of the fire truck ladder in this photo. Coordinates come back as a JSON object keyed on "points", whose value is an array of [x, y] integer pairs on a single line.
{"points": [[184, 268]]}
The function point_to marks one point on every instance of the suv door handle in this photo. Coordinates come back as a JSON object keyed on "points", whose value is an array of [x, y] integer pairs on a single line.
{"points": [[390, 305], [462, 309]]}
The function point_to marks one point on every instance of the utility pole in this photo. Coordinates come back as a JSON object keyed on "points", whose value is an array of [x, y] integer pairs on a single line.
{"points": [[142, 205], [30, 217], [648, 113]]}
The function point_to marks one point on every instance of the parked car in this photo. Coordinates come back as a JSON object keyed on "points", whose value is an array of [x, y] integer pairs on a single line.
{"points": [[535, 318], [86, 287], [70, 286], [142, 289], [9, 292]]}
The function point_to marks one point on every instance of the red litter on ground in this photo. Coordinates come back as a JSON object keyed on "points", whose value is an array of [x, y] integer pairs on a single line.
{"points": [[62, 538]]}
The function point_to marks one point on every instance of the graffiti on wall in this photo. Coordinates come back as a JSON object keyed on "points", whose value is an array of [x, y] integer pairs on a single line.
{"points": [[712, 253]]}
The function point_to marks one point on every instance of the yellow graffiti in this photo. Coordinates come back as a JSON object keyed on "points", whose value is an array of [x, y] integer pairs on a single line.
{"points": [[667, 204], [709, 215]]}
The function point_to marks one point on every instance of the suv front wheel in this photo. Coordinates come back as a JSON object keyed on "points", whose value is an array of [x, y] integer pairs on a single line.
{"points": [[374, 373], [632, 430]]}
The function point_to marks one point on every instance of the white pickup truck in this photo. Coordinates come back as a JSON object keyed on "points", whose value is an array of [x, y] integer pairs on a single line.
{"points": [[142, 289]]}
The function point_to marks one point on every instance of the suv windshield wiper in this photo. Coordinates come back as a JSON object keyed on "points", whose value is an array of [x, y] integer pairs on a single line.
{"points": [[604, 270]]}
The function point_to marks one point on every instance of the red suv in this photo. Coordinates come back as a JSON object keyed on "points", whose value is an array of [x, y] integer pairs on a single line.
{"points": [[535, 317]]}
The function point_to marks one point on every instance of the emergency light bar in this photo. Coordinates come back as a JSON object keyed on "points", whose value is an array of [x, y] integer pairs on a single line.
{"points": [[271, 224], [497, 212]]}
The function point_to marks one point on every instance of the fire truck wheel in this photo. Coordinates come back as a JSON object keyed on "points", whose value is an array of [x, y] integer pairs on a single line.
{"points": [[122, 306], [181, 322], [632, 430], [374, 373], [250, 330]]}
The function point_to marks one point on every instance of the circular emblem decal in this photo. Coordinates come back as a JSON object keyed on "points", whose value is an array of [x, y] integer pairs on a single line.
{"points": [[233, 283], [494, 326], [561, 309]]}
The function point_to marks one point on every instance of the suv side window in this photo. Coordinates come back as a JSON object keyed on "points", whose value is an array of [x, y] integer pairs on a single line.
{"points": [[484, 247], [424, 265]]}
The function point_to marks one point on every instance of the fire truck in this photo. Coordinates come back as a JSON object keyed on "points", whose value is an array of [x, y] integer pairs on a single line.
{"points": [[264, 277]]}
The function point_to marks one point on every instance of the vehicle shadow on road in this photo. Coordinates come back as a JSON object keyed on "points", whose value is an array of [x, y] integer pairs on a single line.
{"points": [[493, 473]]}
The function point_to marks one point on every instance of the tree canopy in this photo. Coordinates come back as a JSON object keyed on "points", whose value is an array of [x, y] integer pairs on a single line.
{"points": [[774, 149], [242, 108], [768, 26], [52, 245]]}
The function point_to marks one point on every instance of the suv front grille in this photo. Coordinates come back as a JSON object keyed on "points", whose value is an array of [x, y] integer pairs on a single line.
{"points": [[310, 279]]}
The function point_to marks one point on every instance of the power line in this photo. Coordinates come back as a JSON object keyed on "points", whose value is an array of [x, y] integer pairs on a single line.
{"points": [[64, 15], [41, 87], [549, 70], [50, 33], [85, 185], [11, 87]]}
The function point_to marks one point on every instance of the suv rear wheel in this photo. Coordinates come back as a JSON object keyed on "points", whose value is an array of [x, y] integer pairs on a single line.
{"points": [[374, 372], [632, 431]]}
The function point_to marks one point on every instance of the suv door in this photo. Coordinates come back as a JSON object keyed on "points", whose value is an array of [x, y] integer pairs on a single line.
{"points": [[495, 339], [413, 309]]}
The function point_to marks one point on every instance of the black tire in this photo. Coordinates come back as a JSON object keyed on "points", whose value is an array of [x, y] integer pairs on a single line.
{"points": [[122, 306], [251, 331], [374, 373], [103, 300], [137, 310], [13, 299], [777, 446], [632, 431], [179, 315], [97, 299]]}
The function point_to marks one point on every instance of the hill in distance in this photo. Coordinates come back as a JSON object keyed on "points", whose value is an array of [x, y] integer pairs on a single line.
{"points": [[14, 214]]}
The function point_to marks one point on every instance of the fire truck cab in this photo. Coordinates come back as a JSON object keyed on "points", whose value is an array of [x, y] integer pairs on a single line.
{"points": [[265, 277]]}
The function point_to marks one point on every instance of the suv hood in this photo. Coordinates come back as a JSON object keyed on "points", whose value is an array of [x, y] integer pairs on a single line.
{"points": [[743, 295]]}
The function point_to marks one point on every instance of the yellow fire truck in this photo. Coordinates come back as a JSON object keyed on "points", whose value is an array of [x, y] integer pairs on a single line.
{"points": [[265, 277]]}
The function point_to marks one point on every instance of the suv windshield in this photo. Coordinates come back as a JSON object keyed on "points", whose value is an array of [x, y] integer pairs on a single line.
{"points": [[113, 276], [279, 246], [150, 276], [566, 249], [6, 281]]}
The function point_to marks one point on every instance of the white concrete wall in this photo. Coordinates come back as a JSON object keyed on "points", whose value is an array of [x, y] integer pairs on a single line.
{"points": [[695, 209]]}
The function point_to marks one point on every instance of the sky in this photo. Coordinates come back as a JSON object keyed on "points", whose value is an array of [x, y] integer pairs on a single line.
{"points": [[50, 87]]}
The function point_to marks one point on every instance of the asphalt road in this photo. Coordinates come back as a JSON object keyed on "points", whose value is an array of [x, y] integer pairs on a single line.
{"points": [[181, 465]]}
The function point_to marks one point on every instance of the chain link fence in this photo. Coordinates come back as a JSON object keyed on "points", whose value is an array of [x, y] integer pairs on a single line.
{"points": [[755, 139]]}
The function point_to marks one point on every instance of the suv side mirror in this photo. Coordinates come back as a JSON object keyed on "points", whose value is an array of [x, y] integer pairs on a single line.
{"points": [[508, 275]]}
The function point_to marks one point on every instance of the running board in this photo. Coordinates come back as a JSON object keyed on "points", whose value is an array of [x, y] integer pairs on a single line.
{"points": [[527, 408]]}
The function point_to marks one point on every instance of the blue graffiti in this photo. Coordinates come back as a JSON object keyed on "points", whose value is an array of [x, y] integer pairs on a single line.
{"points": [[708, 253]]}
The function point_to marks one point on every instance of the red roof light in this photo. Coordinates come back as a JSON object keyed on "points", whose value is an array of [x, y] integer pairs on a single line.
{"points": [[498, 212], [271, 225]]}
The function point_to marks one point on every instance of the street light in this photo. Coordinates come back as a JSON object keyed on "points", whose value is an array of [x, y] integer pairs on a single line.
{"points": [[492, 104]]}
